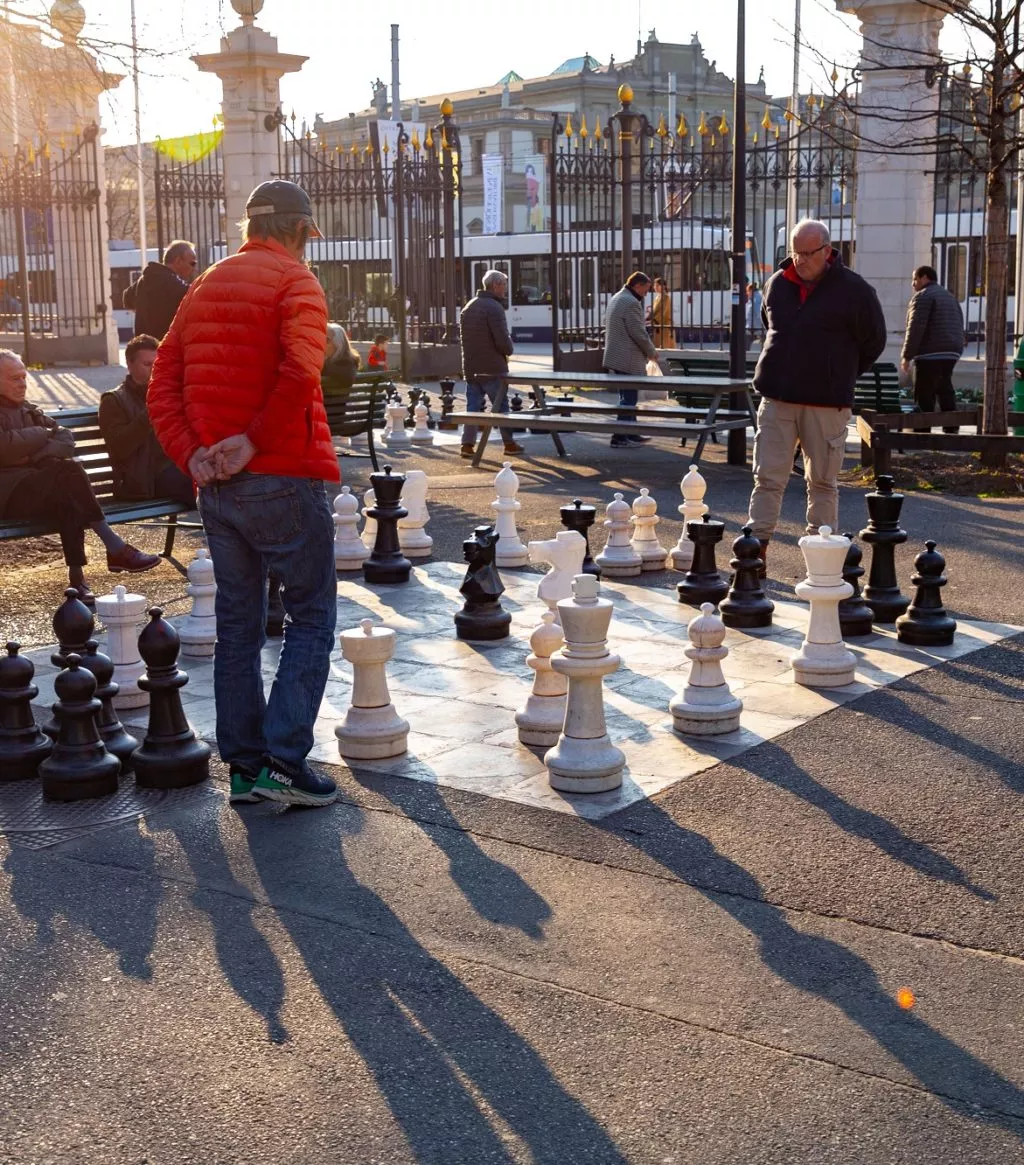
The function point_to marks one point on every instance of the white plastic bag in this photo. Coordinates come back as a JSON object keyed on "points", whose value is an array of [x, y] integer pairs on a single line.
{"points": [[654, 368]]}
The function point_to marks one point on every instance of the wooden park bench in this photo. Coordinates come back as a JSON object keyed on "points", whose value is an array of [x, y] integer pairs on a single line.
{"points": [[355, 411]]}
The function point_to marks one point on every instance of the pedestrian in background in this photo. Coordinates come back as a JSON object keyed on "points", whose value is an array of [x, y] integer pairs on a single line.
{"points": [[627, 346], [156, 294], [377, 357], [934, 341]]}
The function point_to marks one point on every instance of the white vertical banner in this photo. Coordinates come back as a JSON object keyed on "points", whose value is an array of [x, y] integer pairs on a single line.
{"points": [[493, 166]]}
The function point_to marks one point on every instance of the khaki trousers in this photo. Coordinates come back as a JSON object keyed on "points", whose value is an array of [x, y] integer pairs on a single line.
{"points": [[821, 433]]}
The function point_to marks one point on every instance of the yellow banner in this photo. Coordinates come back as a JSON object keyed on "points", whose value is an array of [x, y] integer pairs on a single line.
{"points": [[191, 148]]}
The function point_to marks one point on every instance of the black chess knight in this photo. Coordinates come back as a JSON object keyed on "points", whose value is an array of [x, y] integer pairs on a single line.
{"points": [[482, 615]]}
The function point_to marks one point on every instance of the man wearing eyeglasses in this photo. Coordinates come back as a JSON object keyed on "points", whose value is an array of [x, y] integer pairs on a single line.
{"points": [[156, 294], [824, 327]]}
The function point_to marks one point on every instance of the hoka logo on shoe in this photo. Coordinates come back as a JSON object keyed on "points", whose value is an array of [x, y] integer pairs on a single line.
{"points": [[281, 778]]}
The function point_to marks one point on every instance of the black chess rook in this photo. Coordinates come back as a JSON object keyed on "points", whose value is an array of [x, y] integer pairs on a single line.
{"points": [[79, 767], [112, 731], [746, 605], [702, 583], [482, 615], [883, 535], [73, 625], [856, 618], [22, 745], [170, 757], [576, 516], [926, 623], [387, 563]]}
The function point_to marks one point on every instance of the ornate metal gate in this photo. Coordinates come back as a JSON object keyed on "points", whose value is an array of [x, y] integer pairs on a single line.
{"points": [[189, 177]]}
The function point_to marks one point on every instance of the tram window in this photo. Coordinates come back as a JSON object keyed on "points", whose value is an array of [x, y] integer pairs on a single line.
{"points": [[586, 290], [609, 274], [564, 284], [531, 280]]}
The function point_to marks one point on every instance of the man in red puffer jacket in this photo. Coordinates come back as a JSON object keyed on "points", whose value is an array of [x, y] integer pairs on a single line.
{"points": [[235, 401]]}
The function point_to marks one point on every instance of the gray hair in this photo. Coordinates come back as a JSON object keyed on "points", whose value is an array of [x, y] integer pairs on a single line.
{"points": [[818, 225], [177, 250], [10, 354], [492, 277], [282, 227]]}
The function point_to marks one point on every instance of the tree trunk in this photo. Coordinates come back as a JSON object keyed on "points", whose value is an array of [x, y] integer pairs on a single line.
{"points": [[996, 261]]}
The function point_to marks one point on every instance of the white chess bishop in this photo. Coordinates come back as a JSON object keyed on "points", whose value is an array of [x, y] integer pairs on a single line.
{"points": [[510, 550], [645, 540], [198, 630], [541, 720], [565, 552], [413, 539], [372, 729], [693, 488], [824, 661], [349, 550], [618, 559], [706, 707]]}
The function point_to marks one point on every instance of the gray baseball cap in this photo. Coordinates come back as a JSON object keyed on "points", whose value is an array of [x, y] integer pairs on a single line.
{"points": [[281, 197]]}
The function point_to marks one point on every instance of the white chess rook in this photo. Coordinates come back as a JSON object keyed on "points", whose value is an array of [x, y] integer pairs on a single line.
{"points": [[644, 540], [706, 707], [372, 729], [510, 550], [369, 534], [422, 433], [618, 559], [198, 630], [584, 760], [824, 661], [395, 432], [541, 720], [565, 552], [123, 614], [412, 538], [693, 487], [349, 551]]}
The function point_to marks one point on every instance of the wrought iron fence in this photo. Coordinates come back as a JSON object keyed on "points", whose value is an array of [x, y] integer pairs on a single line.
{"points": [[52, 284], [190, 200]]}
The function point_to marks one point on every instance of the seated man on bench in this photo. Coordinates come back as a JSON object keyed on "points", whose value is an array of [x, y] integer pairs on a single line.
{"points": [[40, 482], [142, 470]]}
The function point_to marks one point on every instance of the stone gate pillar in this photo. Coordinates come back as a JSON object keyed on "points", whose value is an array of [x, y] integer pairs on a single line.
{"points": [[895, 192], [250, 69]]}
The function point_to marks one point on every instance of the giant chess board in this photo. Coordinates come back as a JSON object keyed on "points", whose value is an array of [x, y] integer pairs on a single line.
{"points": [[460, 698]]}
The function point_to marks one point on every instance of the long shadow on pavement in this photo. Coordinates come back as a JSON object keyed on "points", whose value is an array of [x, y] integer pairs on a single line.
{"points": [[417, 1027]]}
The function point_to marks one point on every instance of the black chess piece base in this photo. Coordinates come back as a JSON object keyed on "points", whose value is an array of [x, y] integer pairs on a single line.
{"points": [[80, 782], [856, 620], [885, 603], [926, 632], [172, 763], [485, 621], [702, 588], [747, 614]]}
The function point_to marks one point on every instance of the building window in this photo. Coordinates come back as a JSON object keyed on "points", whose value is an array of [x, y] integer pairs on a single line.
{"points": [[478, 155]]}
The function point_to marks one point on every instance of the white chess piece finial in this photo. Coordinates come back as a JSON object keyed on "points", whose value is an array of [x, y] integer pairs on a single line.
{"points": [[122, 614], [693, 487], [644, 540], [510, 550], [618, 559], [395, 433], [369, 534], [565, 552], [584, 760], [706, 707], [198, 630], [372, 729], [422, 433], [540, 721], [413, 539], [349, 550], [823, 660]]}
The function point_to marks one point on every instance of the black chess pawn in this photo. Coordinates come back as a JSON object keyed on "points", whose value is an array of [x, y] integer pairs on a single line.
{"points": [[73, 625], [746, 604], [926, 623], [112, 731], [170, 757], [414, 398], [387, 563], [431, 419], [79, 766], [580, 518], [702, 583], [482, 615], [22, 745], [883, 535], [855, 616], [447, 404], [275, 609]]}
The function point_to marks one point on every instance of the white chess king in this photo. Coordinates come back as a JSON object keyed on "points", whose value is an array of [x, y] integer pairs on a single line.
{"points": [[824, 661]]}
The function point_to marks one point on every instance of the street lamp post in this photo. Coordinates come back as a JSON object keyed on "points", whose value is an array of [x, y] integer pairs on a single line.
{"points": [[737, 448]]}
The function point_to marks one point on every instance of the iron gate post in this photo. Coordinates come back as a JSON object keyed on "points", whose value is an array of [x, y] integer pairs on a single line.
{"points": [[737, 447], [23, 282], [625, 118], [448, 219]]}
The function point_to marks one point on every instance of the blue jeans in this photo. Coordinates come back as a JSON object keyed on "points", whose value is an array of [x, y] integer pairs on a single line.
{"points": [[627, 397], [477, 391], [256, 524]]}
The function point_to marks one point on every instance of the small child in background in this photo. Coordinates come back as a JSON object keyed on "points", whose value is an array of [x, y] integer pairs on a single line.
{"points": [[377, 357]]}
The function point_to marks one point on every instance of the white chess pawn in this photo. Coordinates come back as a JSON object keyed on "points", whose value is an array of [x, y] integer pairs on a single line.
{"points": [[369, 534], [645, 541], [422, 431], [541, 720], [565, 552], [123, 614], [618, 559], [824, 661], [198, 630], [693, 487], [395, 433], [372, 729], [706, 707], [413, 539], [510, 550], [584, 760], [349, 550]]}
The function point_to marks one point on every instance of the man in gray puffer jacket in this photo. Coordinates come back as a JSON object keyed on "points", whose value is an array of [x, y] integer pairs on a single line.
{"points": [[627, 346], [934, 342], [486, 347]]}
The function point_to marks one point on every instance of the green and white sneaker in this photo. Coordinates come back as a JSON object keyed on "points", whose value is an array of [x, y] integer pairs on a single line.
{"points": [[275, 783], [242, 782]]}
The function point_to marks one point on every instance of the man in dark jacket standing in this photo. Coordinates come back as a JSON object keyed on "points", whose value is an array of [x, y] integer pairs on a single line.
{"points": [[933, 343], [486, 347], [824, 327], [142, 470], [155, 295]]}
